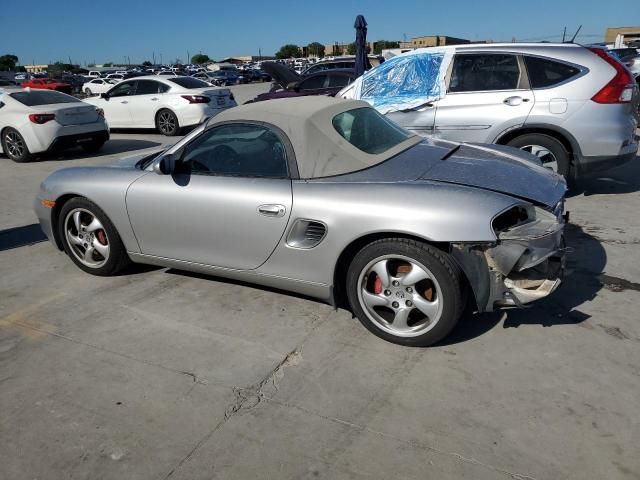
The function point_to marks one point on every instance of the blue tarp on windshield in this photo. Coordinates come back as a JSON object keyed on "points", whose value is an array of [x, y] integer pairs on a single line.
{"points": [[405, 81]]}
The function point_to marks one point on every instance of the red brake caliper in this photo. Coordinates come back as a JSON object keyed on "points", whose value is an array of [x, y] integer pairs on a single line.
{"points": [[377, 286], [102, 237]]}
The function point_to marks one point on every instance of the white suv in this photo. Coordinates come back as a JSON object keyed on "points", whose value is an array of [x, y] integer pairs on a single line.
{"points": [[572, 106]]}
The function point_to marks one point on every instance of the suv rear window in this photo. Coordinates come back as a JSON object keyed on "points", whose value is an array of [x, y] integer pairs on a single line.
{"points": [[484, 72], [43, 97], [547, 73], [188, 82], [368, 130]]}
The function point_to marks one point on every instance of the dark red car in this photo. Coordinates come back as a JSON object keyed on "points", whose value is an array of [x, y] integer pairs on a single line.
{"points": [[287, 83], [48, 84]]}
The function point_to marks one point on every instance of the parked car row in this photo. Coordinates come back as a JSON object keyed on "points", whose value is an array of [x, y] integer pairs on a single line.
{"points": [[34, 121]]}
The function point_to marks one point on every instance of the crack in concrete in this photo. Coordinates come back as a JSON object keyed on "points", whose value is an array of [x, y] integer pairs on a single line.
{"points": [[462, 458], [246, 399]]}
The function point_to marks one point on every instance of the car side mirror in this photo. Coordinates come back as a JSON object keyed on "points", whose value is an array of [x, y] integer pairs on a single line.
{"points": [[166, 165], [104, 95], [293, 86]]}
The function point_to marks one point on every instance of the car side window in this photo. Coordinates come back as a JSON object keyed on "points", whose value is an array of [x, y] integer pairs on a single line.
{"points": [[122, 89], [314, 83], [544, 72], [484, 72], [339, 80], [237, 150], [147, 87]]}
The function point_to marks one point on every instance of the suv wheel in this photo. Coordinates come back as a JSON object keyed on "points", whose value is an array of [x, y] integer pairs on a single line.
{"points": [[549, 150]]}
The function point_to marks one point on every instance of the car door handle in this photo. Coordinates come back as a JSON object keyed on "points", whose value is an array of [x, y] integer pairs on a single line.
{"points": [[272, 210], [514, 101], [154, 99], [124, 101]]}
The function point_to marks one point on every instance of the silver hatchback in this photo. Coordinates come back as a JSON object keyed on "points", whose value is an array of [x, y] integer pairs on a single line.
{"points": [[572, 106]]}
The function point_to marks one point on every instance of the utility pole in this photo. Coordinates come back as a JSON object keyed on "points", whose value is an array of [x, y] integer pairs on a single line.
{"points": [[188, 57], [161, 62], [153, 54]]}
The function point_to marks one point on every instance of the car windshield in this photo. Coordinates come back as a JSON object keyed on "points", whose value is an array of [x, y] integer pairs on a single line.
{"points": [[43, 97], [368, 130], [188, 82]]}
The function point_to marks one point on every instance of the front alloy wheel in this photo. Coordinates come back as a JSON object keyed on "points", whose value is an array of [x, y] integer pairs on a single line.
{"points": [[405, 291], [87, 238], [90, 239], [400, 296]]}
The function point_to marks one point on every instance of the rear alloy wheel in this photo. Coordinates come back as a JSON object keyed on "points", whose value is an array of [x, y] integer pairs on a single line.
{"points": [[90, 239], [550, 151], [88, 92], [14, 146], [405, 291], [167, 123]]}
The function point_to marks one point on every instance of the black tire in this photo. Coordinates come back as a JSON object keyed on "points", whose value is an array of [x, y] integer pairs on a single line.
{"points": [[117, 259], [93, 146], [554, 146], [441, 266], [9, 138], [88, 92], [171, 128]]}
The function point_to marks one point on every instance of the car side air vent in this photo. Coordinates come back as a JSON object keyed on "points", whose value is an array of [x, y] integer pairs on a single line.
{"points": [[306, 233]]}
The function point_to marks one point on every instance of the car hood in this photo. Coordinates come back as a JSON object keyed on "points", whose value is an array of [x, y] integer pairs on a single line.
{"points": [[131, 161], [500, 169], [281, 74], [495, 168]]}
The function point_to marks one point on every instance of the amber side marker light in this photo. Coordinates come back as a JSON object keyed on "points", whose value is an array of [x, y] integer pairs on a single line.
{"points": [[48, 203]]}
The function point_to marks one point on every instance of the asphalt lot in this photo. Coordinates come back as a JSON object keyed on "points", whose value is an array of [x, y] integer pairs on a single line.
{"points": [[162, 374]]}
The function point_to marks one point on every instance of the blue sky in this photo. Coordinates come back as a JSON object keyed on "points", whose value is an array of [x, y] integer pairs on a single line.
{"points": [[88, 31]]}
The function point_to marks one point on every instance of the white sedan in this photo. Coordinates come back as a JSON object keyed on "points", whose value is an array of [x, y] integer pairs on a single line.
{"points": [[98, 86], [36, 121], [164, 103]]}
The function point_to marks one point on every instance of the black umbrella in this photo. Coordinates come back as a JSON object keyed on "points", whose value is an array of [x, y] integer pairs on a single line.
{"points": [[362, 60]]}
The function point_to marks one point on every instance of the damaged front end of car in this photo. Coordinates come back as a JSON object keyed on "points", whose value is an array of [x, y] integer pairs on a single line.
{"points": [[526, 263]]}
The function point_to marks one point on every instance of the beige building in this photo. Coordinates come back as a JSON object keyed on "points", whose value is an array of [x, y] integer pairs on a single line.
{"points": [[36, 68], [433, 41], [629, 34]]}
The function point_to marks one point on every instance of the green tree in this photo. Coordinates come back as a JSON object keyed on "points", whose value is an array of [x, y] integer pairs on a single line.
{"points": [[289, 51], [315, 49], [109, 64], [200, 58], [384, 44], [351, 49], [146, 63], [8, 62]]}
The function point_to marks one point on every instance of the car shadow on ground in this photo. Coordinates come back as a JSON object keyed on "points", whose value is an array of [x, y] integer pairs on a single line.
{"points": [[21, 236], [112, 147], [583, 279], [624, 179]]}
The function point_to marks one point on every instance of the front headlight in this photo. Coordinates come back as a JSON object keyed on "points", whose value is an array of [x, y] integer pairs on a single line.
{"points": [[513, 217]]}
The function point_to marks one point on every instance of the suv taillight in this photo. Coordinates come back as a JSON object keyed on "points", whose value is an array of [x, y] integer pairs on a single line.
{"points": [[196, 98], [41, 118], [620, 87]]}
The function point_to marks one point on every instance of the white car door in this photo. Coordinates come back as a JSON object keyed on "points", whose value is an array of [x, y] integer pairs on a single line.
{"points": [[145, 102], [487, 94], [116, 105]]}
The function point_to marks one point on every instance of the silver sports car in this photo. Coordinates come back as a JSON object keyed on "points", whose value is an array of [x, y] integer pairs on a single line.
{"points": [[329, 199]]}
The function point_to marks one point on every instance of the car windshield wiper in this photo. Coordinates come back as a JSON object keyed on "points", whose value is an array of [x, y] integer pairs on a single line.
{"points": [[451, 152]]}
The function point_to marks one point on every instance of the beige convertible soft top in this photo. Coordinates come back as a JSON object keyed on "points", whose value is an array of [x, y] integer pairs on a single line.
{"points": [[320, 150]]}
